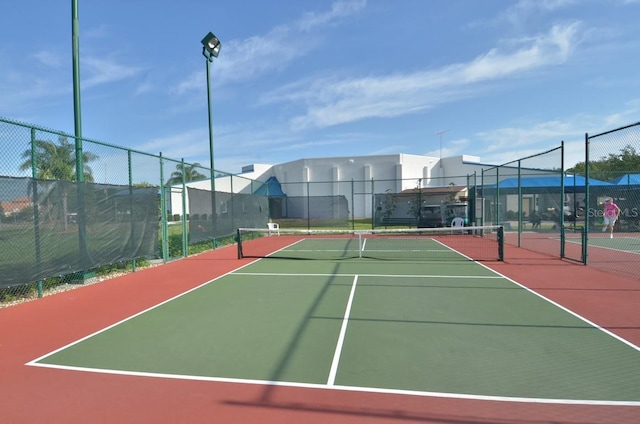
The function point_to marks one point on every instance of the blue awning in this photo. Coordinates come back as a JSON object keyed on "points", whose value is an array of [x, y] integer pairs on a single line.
{"points": [[548, 182], [627, 179], [271, 187]]}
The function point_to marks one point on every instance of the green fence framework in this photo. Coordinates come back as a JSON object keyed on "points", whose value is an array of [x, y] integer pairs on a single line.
{"points": [[185, 222], [498, 195], [42, 205], [613, 157], [185, 213], [361, 203], [529, 198]]}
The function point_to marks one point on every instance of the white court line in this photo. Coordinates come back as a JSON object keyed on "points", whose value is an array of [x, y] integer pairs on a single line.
{"points": [[494, 276], [575, 314], [35, 362], [343, 331], [345, 388], [604, 237]]}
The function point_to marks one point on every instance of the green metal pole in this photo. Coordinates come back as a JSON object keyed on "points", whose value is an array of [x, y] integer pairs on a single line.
{"points": [[373, 205], [163, 213], [308, 206], [77, 118], [185, 242], [519, 202], [213, 182], [353, 207], [131, 218], [36, 211], [497, 195], [483, 198], [587, 202], [213, 172], [75, 29], [562, 234]]}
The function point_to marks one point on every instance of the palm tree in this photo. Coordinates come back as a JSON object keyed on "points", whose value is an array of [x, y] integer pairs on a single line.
{"points": [[190, 173], [57, 162]]}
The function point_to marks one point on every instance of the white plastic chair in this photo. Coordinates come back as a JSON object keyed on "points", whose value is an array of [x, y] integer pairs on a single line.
{"points": [[457, 223], [274, 228]]}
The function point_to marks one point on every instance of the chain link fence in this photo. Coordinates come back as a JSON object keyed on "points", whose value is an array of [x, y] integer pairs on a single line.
{"points": [[134, 207], [613, 169], [528, 197], [74, 211]]}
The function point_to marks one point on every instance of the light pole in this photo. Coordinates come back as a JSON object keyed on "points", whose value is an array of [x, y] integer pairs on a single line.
{"points": [[210, 49], [440, 134], [77, 119]]}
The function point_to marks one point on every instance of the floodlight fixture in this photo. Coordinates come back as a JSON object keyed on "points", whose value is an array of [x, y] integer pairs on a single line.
{"points": [[211, 46]]}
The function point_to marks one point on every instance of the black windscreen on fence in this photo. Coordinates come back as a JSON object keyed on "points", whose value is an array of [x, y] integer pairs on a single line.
{"points": [[51, 228], [233, 210]]}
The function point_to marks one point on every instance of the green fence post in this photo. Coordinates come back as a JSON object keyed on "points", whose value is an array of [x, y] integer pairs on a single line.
{"points": [[587, 201], [519, 202], [36, 210], [163, 213], [185, 241], [562, 234]]}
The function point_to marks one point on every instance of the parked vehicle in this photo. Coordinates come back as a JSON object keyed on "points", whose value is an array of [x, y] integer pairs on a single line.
{"points": [[431, 216], [441, 215]]}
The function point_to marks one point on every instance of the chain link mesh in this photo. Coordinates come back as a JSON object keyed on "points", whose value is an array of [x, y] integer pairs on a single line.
{"points": [[42, 204], [56, 233], [528, 198], [613, 166]]}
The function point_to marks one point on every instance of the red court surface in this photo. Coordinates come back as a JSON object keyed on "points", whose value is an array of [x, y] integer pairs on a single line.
{"points": [[41, 395]]}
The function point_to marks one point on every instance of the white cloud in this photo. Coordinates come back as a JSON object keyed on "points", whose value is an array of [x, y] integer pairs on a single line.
{"points": [[331, 101], [241, 60], [48, 58], [523, 10], [510, 143], [187, 144], [339, 9], [102, 71]]}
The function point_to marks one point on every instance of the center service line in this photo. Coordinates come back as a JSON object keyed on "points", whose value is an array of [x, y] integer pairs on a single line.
{"points": [[343, 330]]}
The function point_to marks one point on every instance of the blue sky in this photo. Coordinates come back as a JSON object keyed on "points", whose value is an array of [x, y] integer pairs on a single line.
{"points": [[304, 79]]}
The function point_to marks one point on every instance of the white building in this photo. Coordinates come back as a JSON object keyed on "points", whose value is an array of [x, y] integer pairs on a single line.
{"points": [[357, 178]]}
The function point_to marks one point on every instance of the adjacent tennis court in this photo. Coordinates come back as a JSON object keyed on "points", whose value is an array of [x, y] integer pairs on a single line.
{"points": [[404, 313]]}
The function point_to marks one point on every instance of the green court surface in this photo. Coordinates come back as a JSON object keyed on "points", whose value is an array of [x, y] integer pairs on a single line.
{"points": [[621, 243], [454, 329]]}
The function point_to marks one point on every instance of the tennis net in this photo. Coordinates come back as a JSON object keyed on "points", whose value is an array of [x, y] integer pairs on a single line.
{"points": [[483, 243]]}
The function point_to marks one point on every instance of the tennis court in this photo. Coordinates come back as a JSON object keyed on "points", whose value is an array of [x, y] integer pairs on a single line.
{"points": [[401, 314], [622, 242]]}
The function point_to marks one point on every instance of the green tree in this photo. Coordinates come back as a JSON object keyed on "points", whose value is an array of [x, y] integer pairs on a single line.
{"points": [[144, 184], [612, 166], [190, 173], [389, 204], [416, 203], [57, 162], [452, 192]]}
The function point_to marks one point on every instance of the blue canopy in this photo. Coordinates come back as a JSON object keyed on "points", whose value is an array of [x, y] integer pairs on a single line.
{"points": [[271, 187], [627, 179], [548, 182]]}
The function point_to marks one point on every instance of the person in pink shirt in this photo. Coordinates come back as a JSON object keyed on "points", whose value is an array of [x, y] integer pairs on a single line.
{"points": [[611, 214]]}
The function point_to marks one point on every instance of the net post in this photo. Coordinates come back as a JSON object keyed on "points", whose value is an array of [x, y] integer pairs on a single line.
{"points": [[359, 245], [239, 243], [501, 243]]}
